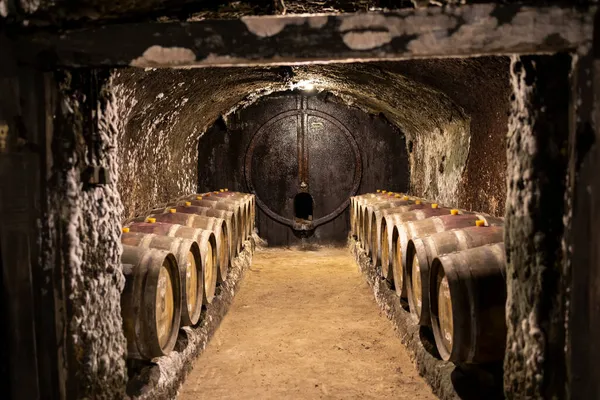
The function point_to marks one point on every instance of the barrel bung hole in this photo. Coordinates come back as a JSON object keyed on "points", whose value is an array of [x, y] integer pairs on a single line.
{"points": [[303, 206]]}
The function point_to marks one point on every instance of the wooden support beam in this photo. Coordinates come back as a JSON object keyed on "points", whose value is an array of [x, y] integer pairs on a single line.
{"points": [[27, 296], [582, 242], [462, 31]]}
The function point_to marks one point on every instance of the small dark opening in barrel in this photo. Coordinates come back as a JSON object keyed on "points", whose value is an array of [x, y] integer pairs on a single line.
{"points": [[303, 206]]}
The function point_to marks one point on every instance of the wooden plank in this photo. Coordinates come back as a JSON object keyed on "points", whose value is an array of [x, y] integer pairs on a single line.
{"points": [[467, 30], [18, 238], [583, 226], [26, 115]]}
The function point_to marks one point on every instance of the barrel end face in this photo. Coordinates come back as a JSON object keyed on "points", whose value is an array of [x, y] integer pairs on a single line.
{"points": [[434, 274]]}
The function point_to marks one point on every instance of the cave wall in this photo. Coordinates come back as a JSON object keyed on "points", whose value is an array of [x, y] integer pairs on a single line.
{"points": [[223, 149], [537, 277], [82, 243], [440, 105], [481, 86], [158, 146]]}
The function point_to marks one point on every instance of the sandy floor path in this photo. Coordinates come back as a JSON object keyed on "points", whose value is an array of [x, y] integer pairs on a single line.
{"points": [[304, 325]]}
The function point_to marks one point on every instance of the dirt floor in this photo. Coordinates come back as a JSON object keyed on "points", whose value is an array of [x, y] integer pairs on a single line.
{"points": [[304, 325]]}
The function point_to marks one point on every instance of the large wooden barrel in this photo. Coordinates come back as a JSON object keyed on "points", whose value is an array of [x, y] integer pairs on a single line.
{"points": [[467, 295], [185, 207], [421, 251], [189, 261], [386, 219], [206, 241], [428, 226], [150, 302], [216, 225]]}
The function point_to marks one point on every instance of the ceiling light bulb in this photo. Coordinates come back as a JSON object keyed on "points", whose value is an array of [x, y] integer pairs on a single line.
{"points": [[306, 85]]}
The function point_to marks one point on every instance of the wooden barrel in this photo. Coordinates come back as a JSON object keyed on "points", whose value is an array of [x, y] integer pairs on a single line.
{"points": [[420, 252], [383, 202], [252, 203], [374, 213], [230, 221], [222, 204], [388, 218], [245, 201], [361, 209], [369, 226], [354, 202], [189, 261], [467, 304], [150, 302], [216, 225], [408, 230], [208, 250], [248, 199], [359, 201]]}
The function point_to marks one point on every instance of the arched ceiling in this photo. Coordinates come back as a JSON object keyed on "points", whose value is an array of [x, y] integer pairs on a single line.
{"points": [[166, 112]]}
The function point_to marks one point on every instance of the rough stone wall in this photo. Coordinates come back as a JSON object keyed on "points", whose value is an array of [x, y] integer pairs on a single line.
{"points": [[441, 105], [168, 111], [537, 168], [45, 12], [84, 221], [481, 86]]}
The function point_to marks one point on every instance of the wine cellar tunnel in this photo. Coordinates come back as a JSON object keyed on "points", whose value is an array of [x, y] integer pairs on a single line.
{"points": [[215, 193], [437, 127]]}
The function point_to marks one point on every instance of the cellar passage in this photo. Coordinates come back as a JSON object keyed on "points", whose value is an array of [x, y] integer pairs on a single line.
{"points": [[436, 127], [300, 349], [158, 147]]}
